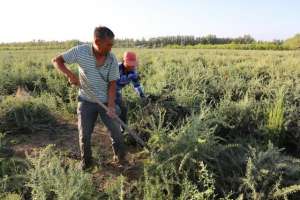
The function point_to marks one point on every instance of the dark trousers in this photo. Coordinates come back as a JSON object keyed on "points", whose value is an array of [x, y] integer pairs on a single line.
{"points": [[87, 116]]}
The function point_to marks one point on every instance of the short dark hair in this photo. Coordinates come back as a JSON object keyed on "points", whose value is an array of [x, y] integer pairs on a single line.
{"points": [[103, 32]]}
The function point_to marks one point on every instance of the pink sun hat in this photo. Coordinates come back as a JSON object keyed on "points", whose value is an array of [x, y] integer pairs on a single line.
{"points": [[130, 59]]}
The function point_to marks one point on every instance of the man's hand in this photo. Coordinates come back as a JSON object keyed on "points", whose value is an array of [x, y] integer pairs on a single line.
{"points": [[111, 112], [74, 80]]}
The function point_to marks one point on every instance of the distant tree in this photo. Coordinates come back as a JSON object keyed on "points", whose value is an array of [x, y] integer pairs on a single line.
{"points": [[294, 42]]}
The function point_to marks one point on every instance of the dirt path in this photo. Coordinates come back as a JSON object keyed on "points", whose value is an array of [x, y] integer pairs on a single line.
{"points": [[65, 139]]}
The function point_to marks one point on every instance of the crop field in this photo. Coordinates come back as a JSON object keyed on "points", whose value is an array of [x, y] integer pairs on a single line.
{"points": [[221, 124]]}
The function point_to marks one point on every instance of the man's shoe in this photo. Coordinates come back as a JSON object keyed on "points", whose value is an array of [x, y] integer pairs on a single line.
{"points": [[85, 165], [123, 164], [120, 162]]}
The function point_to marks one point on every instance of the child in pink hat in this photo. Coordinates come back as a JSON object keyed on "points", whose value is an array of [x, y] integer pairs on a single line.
{"points": [[128, 74]]}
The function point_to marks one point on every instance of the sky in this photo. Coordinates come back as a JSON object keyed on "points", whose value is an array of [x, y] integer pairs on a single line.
{"points": [[27, 20]]}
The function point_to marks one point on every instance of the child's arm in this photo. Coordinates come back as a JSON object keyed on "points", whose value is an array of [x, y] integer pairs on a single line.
{"points": [[136, 84]]}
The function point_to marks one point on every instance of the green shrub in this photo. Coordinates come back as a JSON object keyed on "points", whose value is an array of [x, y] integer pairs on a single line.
{"points": [[25, 115], [12, 196], [169, 183], [275, 115], [53, 176], [271, 175], [115, 190], [12, 178]]}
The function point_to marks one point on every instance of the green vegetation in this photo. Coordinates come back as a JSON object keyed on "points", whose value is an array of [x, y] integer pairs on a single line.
{"points": [[293, 43], [224, 124]]}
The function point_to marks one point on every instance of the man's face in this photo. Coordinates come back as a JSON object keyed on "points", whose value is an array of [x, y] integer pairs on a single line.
{"points": [[103, 46]]}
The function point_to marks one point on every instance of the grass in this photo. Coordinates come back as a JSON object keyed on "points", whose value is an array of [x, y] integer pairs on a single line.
{"points": [[224, 124]]}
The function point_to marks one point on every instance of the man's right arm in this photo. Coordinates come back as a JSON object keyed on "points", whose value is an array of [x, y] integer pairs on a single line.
{"points": [[59, 64]]}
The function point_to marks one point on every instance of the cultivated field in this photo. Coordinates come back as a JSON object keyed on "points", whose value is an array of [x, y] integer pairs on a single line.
{"points": [[222, 124]]}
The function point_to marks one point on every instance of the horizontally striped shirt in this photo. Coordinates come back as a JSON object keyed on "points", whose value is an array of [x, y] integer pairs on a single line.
{"points": [[98, 76]]}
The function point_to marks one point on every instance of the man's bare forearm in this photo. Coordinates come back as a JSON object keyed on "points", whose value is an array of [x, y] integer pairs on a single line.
{"points": [[59, 64]]}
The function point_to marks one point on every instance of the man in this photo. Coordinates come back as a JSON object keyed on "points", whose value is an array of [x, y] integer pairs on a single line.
{"points": [[128, 74], [100, 67]]}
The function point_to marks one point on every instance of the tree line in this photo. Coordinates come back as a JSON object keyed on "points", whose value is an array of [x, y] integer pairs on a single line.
{"points": [[209, 41]]}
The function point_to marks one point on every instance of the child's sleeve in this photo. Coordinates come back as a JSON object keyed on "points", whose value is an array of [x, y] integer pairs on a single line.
{"points": [[136, 84]]}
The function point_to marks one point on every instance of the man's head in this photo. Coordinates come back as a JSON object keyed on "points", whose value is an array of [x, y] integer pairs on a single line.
{"points": [[103, 39]]}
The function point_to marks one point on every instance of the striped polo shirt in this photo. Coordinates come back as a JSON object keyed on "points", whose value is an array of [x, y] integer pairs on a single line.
{"points": [[98, 76]]}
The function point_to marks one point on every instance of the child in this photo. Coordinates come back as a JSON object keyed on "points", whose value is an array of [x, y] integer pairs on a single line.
{"points": [[128, 74]]}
